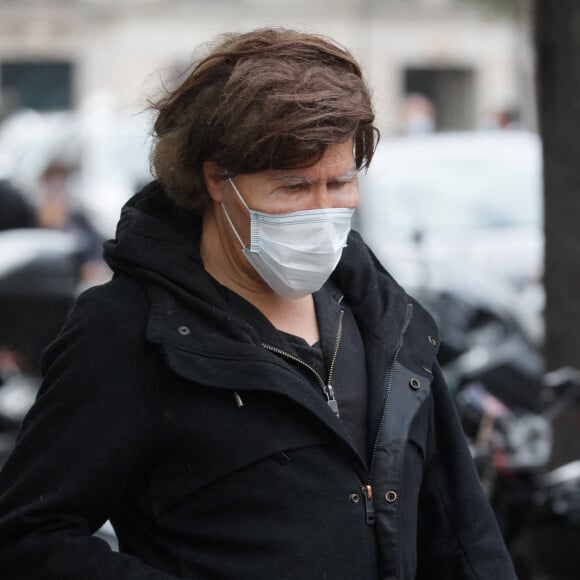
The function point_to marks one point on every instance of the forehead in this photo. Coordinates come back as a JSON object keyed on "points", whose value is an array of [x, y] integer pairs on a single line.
{"points": [[336, 162]]}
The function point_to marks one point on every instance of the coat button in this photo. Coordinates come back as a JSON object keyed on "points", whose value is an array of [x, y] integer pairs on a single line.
{"points": [[184, 330], [415, 383], [432, 341], [391, 496], [354, 497]]}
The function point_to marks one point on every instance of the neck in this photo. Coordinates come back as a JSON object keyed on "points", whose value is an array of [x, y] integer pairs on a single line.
{"points": [[224, 260]]}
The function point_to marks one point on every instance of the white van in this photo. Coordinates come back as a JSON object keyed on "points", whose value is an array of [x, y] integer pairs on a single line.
{"points": [[461, 211]]}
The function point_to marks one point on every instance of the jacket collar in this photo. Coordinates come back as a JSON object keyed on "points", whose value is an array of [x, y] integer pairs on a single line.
{"points": [[158, 243], [194, 320]]}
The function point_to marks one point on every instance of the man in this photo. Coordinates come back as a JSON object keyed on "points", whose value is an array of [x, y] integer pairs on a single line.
{"points": [[252, 396]]}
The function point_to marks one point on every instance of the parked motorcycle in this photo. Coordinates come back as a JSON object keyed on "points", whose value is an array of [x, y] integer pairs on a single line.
{"points": [[508, 408], [39, 276]]}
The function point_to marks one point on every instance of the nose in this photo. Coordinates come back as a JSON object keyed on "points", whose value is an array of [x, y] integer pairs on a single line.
{"points": [[326, 197], [323, 198]]}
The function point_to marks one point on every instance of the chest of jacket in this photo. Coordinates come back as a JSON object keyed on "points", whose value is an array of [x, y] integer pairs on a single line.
{"points": [[247, 434]]}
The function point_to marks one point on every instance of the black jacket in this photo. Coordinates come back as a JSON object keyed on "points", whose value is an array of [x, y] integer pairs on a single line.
{"points": [[215, 458]]}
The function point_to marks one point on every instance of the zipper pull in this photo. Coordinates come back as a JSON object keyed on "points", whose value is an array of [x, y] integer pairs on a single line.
{"points": [[369, 505], [238, 400], [331, 401]]}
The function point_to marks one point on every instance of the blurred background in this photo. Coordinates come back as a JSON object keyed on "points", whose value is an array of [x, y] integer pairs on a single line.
{"points": [[471, 201]]}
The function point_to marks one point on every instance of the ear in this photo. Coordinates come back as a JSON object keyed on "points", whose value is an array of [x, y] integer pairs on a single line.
{"points": [[214, 182]]}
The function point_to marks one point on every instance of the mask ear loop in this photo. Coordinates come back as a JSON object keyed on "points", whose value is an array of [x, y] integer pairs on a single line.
{"points": [[228, 215], [238, 194]]}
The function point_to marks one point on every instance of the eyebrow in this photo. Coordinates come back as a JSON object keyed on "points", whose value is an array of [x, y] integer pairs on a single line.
{"points": [[299, 179]]}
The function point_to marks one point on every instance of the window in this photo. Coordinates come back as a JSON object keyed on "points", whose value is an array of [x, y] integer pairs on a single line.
{"points": [[40, 85], [450, 90]]}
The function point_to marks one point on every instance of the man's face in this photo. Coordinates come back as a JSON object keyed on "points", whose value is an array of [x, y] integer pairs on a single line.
{"points": [[330, 183]]}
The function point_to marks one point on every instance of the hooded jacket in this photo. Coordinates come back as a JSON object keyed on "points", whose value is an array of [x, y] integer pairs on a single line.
{"points": [[163, 409]]}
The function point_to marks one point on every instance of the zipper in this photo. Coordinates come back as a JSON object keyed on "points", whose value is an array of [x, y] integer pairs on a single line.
{"points": [[328, 391], [327, 388], [367, 489], [369, 505], [389, 386]]}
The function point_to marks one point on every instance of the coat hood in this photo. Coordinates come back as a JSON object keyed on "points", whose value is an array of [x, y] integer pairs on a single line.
{"points": [[157, 243]]}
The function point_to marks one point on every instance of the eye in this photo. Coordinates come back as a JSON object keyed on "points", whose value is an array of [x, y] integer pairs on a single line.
{"points": [[293, 187], [342, 184]]}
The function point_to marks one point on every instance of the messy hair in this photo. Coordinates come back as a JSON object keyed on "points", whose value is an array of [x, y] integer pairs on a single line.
{"points": [[267, 99]]}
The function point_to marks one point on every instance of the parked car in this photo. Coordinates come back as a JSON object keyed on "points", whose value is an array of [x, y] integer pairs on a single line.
{"points": [[461, 211]]}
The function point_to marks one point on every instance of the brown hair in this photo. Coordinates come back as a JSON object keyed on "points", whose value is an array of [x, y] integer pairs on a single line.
{"points": [[267, 99]]}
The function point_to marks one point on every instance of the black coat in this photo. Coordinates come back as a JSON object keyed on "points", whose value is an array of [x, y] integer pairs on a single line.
{"points": [[214, 458]]}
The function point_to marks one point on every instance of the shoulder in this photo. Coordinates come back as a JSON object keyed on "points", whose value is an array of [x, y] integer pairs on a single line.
{"points": [[104, 331], [101, 367], [121, 295], [119, 307]]}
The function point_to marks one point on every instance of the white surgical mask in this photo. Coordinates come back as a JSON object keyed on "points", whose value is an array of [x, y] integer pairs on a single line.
{"points": [[295, 253]]}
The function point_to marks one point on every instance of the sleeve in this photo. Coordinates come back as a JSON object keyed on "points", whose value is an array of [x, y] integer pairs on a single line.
{"points": [[458, 536], [81, 442]]}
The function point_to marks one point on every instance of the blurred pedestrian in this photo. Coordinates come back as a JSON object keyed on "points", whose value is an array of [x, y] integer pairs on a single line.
{"points": [[418, 115], [58, 210], [253, 395]]}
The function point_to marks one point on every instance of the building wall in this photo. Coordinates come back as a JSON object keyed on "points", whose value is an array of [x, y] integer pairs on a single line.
{"points": [[121, 49]]}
